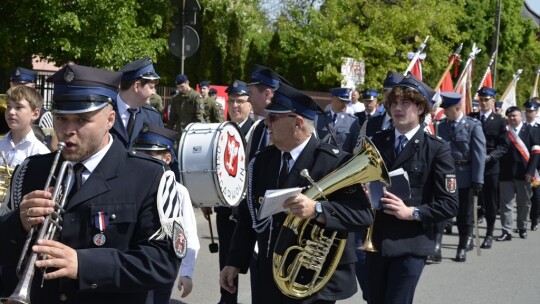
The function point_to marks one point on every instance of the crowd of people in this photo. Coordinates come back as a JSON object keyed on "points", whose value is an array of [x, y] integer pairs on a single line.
{"points": [[128, 228]]}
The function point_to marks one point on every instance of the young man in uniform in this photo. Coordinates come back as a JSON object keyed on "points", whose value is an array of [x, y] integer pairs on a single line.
{"points": [[139, 81], [497, 143], [402, 232]]}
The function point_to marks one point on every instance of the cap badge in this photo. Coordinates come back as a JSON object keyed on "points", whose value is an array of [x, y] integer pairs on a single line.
{"points": [[69, 76]]}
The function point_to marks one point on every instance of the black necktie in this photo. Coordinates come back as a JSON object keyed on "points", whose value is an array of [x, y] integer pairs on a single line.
{"points": [[402, 140], [78, 169], [285, 158], [483, 118], [334, 119], [131, 121], [453, 125], [390, 124]]}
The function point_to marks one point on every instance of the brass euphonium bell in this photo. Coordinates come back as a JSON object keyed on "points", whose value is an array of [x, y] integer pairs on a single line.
{"points": [[306, 255]]}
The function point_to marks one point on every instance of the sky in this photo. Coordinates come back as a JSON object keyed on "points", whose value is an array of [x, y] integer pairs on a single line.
{"points": [[534, 5]]}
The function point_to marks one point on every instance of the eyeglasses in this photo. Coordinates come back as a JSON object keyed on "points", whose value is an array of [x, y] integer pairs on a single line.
{"points": [[238, 101], [272, 117]]}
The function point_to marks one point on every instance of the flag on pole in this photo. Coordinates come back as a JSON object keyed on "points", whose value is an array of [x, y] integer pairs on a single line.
{"points": [[508, 99], [416, 69], [464, 88], [488, 82]]}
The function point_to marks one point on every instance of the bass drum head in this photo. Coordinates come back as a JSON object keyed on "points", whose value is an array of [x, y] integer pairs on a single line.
{"points": [[212, 164], [231, 164]]}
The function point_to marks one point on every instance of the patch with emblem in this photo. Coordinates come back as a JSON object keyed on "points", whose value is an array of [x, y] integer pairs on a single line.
{"points": [[201, 106], [69, 75], [450, 183], [179, 240], [336, 151]]}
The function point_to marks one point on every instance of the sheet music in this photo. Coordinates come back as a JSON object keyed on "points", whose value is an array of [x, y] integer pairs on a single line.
{"points": [[273, 201]]}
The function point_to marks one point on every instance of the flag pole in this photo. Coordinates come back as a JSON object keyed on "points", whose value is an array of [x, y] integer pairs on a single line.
{"points": [[493, 56], [416, 56], [512, 83], [535, 88], [496, 42], [453, 59]]}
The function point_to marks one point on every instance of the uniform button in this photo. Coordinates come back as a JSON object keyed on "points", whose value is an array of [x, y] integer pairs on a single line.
{"points": [[113, 216], [63, 297], [93, 286]]}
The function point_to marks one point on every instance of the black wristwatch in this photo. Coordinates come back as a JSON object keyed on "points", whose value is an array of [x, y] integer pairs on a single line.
{"points": [[417, 216], [318, 210]]}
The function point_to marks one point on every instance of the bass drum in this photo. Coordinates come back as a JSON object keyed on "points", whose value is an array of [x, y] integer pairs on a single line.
{"points": [[212, 160]]}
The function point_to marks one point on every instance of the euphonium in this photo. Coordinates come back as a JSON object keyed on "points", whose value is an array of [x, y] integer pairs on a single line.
{"points": [[48, 230], [306, 255], [5, 177]]}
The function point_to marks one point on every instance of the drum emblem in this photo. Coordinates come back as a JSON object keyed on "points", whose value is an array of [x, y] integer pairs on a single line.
{"points": [[231, 154]]}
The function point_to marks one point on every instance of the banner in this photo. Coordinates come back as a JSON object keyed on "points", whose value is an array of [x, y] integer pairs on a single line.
{"points": [[353, 71]]}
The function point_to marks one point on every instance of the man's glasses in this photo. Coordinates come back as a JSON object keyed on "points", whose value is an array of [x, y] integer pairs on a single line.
{"points": [[237, 101], [272, 117]]}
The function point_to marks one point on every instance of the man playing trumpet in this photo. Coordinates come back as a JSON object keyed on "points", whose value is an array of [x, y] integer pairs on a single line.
{"points": [[104, 252]]}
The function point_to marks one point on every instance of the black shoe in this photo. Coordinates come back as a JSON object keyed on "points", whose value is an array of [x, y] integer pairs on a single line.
{"points": [[516, 230], [523, 233], [504, 237], [469, 245], [534, 227], [487, 243], [480, 219], [461, 255]]}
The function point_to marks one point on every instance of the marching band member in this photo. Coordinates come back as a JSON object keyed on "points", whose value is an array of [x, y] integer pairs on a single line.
{"points": [[531, 110], [402, 231], [290, 118], [105, 253]]}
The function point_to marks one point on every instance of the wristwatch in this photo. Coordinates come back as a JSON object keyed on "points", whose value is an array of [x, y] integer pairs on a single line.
{"points": [[417, 216], [318, 210]]}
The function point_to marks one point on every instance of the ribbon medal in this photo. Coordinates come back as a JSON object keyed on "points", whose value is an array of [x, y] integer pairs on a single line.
{"points": [[101, 221]]}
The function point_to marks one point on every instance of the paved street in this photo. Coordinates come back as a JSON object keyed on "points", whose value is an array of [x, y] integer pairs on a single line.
{"points": [[507, 273]]}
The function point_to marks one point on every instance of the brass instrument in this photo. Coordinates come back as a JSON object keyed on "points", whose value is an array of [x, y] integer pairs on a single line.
{"points": [[306, 255], [48, 230], [5, 177]]}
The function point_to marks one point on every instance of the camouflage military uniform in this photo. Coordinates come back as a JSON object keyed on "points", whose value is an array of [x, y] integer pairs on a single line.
{"points": [[212, 111], [185, 109]]}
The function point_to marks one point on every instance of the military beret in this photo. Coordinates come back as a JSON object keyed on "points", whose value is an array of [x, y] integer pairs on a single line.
{"points": [[142, 68], [265, 76], [530, 105], [487, 92], [498, 104], [369, 94], [204, 84], [475, 104], [155, 138], [237, 87], [80, 89], [22, 76], [212, 91], [410, 81], [392, 78], [450, 99], [287, 99], [180, 78], [341, 93]]}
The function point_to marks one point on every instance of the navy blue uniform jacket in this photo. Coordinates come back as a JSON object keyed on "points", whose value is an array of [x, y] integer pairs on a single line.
{"points": [[430, 167], [128, 264], [348, 210], [147, 114]]}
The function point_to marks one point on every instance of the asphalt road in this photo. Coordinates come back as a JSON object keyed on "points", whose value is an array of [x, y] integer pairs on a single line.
{"points": [[507, 273]]}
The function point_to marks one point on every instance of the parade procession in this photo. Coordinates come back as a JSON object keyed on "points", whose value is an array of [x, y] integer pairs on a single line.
{"points": [[270, 152]]}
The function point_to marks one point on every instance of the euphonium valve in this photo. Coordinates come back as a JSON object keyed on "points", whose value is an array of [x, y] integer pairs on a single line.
{"points": [[306, 255]]}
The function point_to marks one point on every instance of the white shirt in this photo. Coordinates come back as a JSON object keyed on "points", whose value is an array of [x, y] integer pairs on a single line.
{"points": [[123, 110], [17, 153], [190, 229], [356, 107], [349, 110], [409, 135]]}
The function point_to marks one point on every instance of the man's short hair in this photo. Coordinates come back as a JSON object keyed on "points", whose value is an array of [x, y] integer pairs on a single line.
{"points": [[15, 94]]}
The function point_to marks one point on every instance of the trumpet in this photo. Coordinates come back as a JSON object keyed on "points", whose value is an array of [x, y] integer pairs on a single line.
{"points": [[48, 230], [5, 177]]}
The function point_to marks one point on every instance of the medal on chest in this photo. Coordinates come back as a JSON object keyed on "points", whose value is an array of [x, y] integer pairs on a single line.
{"points": [[101, 221]]}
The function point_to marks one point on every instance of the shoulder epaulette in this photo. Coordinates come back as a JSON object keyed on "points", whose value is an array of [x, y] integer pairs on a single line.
{"points": [[147, 157], [150, 108]]}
